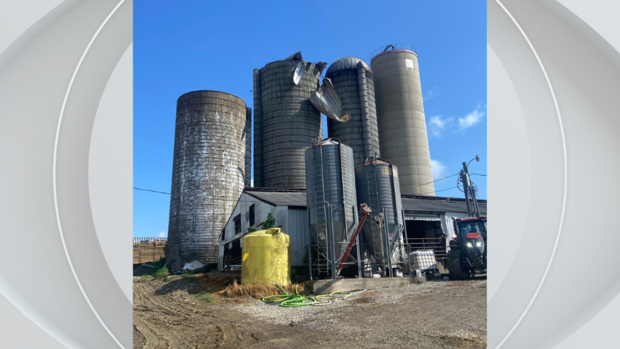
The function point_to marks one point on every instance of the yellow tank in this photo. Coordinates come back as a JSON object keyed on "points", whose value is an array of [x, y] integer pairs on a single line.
{"points": [[266, 257]]}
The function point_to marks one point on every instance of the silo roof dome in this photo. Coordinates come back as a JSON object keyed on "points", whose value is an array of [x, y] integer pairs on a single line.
{"points": [[348, 62]]}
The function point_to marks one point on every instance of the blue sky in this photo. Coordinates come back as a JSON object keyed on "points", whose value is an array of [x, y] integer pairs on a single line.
{"points": [[182, 46]]}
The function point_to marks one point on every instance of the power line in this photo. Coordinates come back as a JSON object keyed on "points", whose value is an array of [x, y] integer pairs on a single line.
{"points": [[438, 191], [152, 191], [477, 174], [437, 180]]}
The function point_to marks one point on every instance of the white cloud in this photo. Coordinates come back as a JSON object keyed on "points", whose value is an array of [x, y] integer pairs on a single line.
{"points": [[437, 124], [472, 118], [439, 169], [162, 234]]}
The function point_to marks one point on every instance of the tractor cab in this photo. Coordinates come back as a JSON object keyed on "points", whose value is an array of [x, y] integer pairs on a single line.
{"points": [[464, 226], [468, 255]]}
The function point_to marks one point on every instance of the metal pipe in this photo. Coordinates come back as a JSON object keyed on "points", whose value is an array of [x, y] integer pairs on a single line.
{"points": [[332, 262], [387, 240], [365, 212], [309, 247]]}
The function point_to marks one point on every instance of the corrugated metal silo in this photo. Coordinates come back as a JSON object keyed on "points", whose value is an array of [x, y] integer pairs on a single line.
{"points": [[377, 185], [285, 121], [330, 181], [400, 115], [207, 174], [353, 81], [248, 147]]}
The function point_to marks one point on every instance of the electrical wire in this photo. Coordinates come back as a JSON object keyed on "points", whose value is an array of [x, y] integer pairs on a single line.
{"points": [[477, 174], [152, 191], [437, 180]]}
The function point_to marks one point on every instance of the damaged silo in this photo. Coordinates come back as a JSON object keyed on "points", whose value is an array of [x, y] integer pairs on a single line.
{"points": [[353, 82], [330, 191], [285, 122], [400, 115], [208, 173]]}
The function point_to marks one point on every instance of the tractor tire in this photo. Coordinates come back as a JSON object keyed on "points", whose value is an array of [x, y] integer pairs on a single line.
{"points": [[453, 263]]}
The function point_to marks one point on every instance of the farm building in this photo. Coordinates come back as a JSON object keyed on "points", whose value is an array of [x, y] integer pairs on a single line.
{"points": [[428, 221]]}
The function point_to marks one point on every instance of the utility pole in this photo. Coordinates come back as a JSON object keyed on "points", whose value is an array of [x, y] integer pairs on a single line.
{"points": [[470, 192]]}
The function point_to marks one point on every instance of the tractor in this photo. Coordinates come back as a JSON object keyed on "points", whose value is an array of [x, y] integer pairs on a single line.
{"points": [[468, 255]]}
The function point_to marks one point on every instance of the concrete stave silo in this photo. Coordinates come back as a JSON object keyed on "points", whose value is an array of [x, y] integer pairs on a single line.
{"points": [[353, 80], [377, 185], [330, 191], [208, 173], [285, 121], [400, 116]]}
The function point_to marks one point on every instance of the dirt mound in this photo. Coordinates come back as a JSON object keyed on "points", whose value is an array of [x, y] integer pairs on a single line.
{"points": [[213, 284], [257, 291]]}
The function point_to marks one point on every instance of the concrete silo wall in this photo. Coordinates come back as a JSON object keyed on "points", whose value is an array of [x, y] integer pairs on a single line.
{"points": [[285, 123], [354, 84], [400, 115], [208, 173]]}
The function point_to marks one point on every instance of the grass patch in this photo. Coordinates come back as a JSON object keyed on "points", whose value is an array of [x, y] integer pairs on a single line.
{"points": [[158, 270], [206, 296], [187, 278]]}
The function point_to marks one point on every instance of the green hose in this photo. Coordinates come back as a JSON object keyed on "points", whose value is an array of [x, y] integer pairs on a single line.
{"points": [[290, 300], [298, 300]]}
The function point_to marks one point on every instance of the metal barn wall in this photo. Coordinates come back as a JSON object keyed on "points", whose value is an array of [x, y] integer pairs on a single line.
{"points": [[285, 122], [294, 222], [297, 228], [353, 81], [208, 173], [400, 116]]}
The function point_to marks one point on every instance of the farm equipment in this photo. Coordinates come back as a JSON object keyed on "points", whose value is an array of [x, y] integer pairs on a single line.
{"points": [[468, 253]]}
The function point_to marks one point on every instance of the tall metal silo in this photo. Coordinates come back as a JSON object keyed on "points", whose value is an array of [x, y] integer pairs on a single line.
{"points": [[285, 121], [353, 81], [248, 147], [330, 191], [207, 174], [377, 184], [400, 115]]}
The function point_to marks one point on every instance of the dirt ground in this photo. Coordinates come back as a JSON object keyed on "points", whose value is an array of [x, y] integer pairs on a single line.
{"points": [[436, 314]]}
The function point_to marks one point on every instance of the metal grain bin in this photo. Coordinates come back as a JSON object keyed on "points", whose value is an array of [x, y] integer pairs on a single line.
{"points": [[207, 174], [400, 115], [353, 81], [330, 181], [377, 185], [285, 121]]}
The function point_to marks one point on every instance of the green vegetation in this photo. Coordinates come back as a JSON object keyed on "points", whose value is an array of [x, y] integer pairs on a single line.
{"points": [[205, 296], [159, 270], [269, 222], [252, 229], [187, 278]]}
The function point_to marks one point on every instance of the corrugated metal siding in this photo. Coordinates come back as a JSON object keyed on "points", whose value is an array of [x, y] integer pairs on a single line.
{"points": [[297, 228]]}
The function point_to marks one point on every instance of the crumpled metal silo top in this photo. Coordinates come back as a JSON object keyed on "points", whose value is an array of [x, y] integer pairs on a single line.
{"points": [[348, 62]]}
